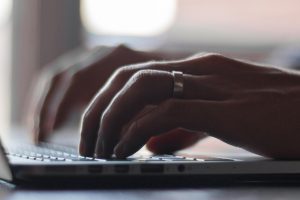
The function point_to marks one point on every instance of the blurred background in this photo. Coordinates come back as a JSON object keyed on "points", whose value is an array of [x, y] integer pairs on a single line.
{"points": [[35, 32]]}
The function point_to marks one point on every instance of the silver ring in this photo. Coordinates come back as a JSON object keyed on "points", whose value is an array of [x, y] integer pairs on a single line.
{"points": [[178, 84]]}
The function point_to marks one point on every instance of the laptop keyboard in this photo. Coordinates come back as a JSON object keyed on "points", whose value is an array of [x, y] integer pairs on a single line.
{"points": [[55, 153]]}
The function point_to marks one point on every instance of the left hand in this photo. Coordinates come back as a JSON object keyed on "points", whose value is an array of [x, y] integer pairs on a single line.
{"points": [[69, 84]]}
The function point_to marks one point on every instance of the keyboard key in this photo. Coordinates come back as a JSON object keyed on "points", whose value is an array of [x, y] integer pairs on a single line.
{"points": [[46, 156], [206, 158], [51, 153], [81, 159], [218, 159], [149, 160]]}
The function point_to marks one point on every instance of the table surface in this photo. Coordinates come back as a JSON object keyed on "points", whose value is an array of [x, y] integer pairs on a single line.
{"points": [[209, 146], [212, 192]]}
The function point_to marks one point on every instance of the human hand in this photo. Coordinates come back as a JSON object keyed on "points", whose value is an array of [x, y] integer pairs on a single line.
{"points": [[70, 83], [67, 85], [246, 105]]}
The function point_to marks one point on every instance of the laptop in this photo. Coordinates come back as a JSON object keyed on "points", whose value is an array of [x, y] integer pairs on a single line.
{"points": [[52, 163]]}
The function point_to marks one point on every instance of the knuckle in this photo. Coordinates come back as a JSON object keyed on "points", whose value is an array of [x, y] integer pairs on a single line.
{"points": [[141, 77], [122, 72], [207, 57], [213, 56]]}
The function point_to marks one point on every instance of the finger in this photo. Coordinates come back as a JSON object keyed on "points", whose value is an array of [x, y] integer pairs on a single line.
{"points": [[71, 95], [35, 102], [196, 115], [72, 98], [46, 88], [91, 117], [43, 111], [174, 140], [197, 87], [93, 71], [145, 88], [134, 98], [204, 64], [171, 141], [62, 103]]}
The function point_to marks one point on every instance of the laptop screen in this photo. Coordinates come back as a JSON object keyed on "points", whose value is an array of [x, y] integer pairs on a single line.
{"points": [[5, 172]]}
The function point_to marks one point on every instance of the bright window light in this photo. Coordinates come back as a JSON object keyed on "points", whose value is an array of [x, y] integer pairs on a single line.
{"points": [[5, 49], [5, 10], [130, 17]]}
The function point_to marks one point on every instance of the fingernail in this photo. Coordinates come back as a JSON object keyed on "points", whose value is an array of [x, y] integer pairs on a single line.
{"points": [[120, 150]]}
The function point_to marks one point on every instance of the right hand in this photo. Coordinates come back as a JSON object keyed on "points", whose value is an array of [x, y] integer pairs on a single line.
{"points": [[243, 104]]}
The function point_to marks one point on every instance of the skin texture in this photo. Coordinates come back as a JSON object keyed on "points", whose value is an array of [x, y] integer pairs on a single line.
{"points": [[246, 105], [66, 87]]}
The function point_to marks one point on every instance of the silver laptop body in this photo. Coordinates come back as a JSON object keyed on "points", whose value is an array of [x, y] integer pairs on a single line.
{"points": [[53, 163]]}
